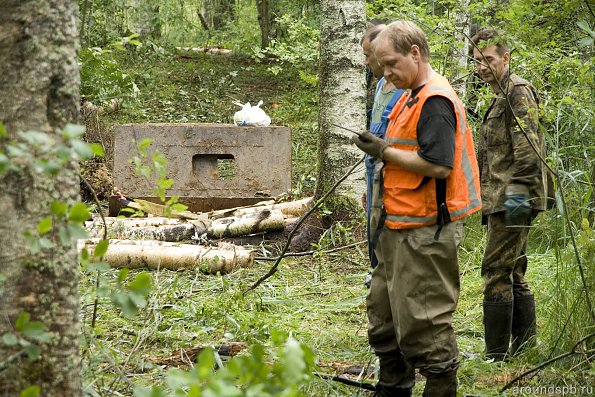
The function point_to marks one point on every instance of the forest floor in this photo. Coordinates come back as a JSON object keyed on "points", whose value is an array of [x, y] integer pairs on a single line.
{"points": [[318, 299]]}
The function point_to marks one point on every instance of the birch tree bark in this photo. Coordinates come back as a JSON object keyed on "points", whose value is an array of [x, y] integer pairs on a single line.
{"points": [[462, 25], [342, 94], [39, 82], [146, 21]]}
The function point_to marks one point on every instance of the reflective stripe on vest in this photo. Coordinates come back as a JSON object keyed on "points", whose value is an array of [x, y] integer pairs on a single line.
{"points": [[466, 161]]}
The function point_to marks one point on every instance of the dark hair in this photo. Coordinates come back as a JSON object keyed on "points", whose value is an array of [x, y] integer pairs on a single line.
{"points": [[492, 37], [372, 32]]}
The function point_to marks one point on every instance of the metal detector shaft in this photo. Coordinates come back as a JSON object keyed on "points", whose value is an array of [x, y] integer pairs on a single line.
{"points": [[346, 129]]}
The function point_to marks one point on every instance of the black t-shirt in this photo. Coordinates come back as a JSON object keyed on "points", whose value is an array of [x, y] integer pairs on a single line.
{"points": [[436, 130]]}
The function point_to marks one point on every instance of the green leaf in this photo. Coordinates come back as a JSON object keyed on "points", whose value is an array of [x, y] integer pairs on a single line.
{"points": [[140, 391], [101, 248], [79, 213], [141, 284], [195, 391], [31, 391], [123, 302], [82, 149], [100, 267], [32, 242], [36, 330], [33, 351], [292, 359], [84, 255], [18, 151], [73, 131], [179, 207], [3, 132], [122, 274], [77, 232], [48, 167], [64, 234], [59, 208], [204, 363], [37, 138], [44, 226], [4, 163], [144, 145], [584, 25], [22, 320], [585, 42], [179, 379], [45, 243], [97, 149], [10, 339]]}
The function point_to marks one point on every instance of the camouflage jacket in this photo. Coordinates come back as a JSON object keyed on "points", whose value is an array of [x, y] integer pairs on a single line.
{"points": [[507, 162]]}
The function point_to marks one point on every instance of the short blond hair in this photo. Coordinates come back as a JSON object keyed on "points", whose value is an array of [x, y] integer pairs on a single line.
{"points": [[403, 35]]}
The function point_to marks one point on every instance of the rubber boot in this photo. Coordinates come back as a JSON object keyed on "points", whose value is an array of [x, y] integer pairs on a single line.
{"points": [[390, 391], [497, 322], [441, 385], [523, 323], [396, 377]]}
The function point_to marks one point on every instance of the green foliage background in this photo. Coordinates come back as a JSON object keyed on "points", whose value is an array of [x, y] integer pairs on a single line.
{"points": [[320, 300]]}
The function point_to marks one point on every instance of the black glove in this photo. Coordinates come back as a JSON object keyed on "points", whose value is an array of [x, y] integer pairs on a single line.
{"points": [[518, 210], [370, 144]]}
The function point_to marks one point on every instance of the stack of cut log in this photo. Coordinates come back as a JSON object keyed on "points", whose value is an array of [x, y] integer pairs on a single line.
{"points": [[153, 242]]}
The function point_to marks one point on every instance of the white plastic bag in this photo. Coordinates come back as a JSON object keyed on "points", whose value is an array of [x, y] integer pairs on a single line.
{"points": [[251, 116]]}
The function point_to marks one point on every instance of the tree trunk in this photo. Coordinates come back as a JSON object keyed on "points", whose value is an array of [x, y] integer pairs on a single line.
{"points": [[462, 25], [159, 255], [342, 93], [263, 8], [39, 82], [146, 21], [218, 11]]}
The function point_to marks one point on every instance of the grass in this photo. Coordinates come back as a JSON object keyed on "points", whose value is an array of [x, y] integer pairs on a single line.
{"points": [[318, 299]]}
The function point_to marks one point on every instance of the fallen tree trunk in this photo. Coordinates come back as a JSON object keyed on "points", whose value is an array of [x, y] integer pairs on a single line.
{"points": [[293, 209], [245, 221], [289, 208], [187, 356], [265, 220], [132, 222], [158, 254], [145, 229]]}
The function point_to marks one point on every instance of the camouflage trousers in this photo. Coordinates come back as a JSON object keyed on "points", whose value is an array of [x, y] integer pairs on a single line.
{"points": [[505, 260]]}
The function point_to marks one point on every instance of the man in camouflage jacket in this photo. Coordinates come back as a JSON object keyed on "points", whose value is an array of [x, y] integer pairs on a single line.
{"points": [[512, 191]]}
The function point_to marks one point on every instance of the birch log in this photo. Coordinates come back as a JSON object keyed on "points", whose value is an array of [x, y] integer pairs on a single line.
{"points": [[144, 229], [293, 209], [245, 220], [266, 220], [158, 254]]}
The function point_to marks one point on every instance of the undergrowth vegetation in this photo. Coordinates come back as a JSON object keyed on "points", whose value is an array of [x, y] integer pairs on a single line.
{"points": [[311, 314]]}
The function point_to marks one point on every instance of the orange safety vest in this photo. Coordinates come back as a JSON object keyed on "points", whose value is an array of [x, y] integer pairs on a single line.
{"points": [[409, 198]]}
